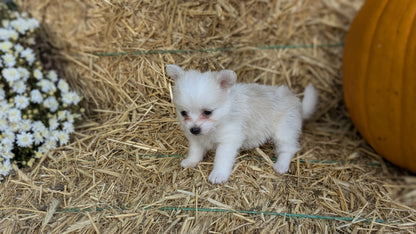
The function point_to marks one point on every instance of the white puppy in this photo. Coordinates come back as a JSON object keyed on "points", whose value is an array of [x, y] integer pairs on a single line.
{"points": [[216, 113]]}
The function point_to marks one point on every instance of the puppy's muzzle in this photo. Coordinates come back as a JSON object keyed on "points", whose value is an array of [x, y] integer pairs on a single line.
{"points": [[195, 130]]}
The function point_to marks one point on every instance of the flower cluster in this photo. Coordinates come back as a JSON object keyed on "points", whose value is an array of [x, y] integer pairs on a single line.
{"points": [[37, 109]]}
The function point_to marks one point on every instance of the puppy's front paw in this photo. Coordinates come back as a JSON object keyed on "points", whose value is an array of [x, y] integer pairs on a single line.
{"points": [[281, 168], [187, 162], [218, 177]]}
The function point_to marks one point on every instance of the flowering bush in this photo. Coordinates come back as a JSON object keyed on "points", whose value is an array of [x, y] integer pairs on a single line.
{"points": [[37, 109]]}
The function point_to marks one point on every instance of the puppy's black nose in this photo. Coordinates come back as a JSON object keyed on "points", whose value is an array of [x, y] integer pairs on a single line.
{"points": [[195, 130]]}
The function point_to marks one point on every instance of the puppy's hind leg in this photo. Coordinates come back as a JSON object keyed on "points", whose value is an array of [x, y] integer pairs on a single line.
{"points": [[286, 140]]}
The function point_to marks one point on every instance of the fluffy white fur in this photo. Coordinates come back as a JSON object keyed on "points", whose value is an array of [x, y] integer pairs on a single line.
{"points": [[216, 113]]}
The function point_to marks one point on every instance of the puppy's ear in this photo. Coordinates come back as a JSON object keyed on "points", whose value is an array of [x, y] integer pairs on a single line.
{"points": [[226, 78], [174, 71]]}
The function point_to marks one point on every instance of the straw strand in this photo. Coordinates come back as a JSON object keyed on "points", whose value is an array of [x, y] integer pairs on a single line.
{"points": [[224, 49], [254, 212]]}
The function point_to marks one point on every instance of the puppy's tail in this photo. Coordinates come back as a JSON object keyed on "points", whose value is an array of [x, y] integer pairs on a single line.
{"points": [[309, 102]]}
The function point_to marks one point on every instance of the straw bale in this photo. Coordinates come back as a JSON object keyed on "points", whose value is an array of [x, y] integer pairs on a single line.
{"points": [[122, 172]]}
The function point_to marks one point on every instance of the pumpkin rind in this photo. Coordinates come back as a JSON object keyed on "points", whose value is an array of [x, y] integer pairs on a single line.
{"points": [[379, 78]]}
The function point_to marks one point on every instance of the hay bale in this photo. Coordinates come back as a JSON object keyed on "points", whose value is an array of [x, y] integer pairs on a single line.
{"points": [[122, 172]]}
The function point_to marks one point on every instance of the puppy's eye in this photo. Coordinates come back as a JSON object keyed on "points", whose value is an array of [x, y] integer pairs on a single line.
{"points": [[184, 114], [207, 113]]}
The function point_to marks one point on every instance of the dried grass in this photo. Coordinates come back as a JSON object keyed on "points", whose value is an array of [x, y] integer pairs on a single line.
{"points": [[108, 180]]}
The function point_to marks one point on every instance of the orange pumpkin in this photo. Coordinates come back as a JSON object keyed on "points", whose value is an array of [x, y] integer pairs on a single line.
{"points": [[379, 78]]}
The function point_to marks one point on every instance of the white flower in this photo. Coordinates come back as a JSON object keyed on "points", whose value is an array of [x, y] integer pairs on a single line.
{"points": [[46, 86], [2, 94], [8, 155], [6, 22], [14, 115], [25, 125], [45, 132], [62, 114], [63, 86], [33, 23], [19, 87], [37, 74], [53, 123], [39, 154], [6, 34], [53, 135], [38, 138], [8, 60], [5, 167], [3, 124], [19, 25], [11, 74], [4, 108], [7, 144], [50, 143], [24, 73], [21, 102], [18, 48], [70, 118], [9, 134], [75, 98], [40, 134], [36, 96], [24, 139], [52, 76], [51, 103], [22, 25], [68, 127], [63, 138], [5, 46], [38, 126], [28, 55], [14, 126], [31, 41], [45, 147], [70, 98], [67, 98]]}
